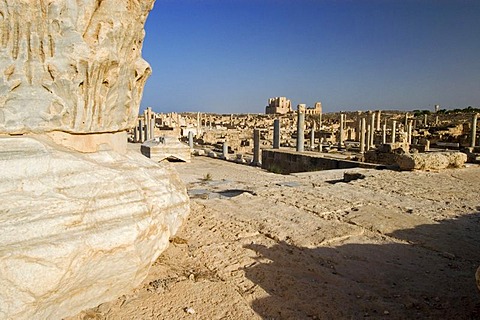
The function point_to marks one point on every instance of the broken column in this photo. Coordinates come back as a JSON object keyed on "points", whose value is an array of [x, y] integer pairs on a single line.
{"points": [[473, 134], [394, 130], [409, 132], [318, 106], [199, 125], [225, 150], [276, 134], [359, 126], [312, 137], [146, 123], [372, 130], [368, 136], [136, 134], [190, 139], [379, 117], [82, 216], [362, 135], [384, 133], [141, 129], [152, 128], [256, 147], [340, 132], [300, 131]]}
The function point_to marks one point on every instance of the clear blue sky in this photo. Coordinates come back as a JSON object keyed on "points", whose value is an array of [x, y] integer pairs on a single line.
{"points": [[230, 56]]}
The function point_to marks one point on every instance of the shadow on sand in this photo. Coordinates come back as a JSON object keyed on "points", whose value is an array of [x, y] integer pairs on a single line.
{"points": [[426, 273]]}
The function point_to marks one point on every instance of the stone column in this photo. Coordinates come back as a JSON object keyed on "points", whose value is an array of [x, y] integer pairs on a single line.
{"points": [[152, 128], [141, 130], [379, 119], [426, 119], [474, 130], [320, 145], [146, 124], [300, 131], [135, 134], [149, 116], [190, 139], [384, 134], [372, 130], [276, 134], [199, 125], [409, 131], [406, 121], [340, 132], [145, 132], [394, 129], [256, 147], [225, 150], [312, 137], [362, 135], [359, 126], [368, 136]]}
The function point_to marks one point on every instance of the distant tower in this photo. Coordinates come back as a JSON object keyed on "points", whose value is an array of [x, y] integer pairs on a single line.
{"points": [[278, 105]]}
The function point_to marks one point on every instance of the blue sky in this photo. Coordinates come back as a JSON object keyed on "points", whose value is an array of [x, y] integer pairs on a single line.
{"points": [[230, 56]]}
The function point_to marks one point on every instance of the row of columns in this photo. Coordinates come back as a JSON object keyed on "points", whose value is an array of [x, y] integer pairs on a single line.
{"points": [[366, 136], [145, 130]]}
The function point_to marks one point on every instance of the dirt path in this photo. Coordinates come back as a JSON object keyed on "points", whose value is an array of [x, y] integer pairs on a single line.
{"points": [[397, 245]]}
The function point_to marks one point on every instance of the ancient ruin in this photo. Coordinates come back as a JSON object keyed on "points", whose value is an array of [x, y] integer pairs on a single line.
{"points": [[82, 217], [395, 139], [278, 105]]}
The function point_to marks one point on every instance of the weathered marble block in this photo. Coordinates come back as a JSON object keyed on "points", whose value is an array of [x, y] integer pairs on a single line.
{"points": [[78, 229], [72, 66], [162, 148]]}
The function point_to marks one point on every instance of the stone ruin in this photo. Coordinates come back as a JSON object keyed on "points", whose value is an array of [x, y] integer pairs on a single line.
{"points": [[82, 217], [388, 138]]}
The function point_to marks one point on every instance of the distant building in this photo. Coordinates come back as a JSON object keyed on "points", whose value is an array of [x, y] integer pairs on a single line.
{"points": [[315, 110], [278, 105]]}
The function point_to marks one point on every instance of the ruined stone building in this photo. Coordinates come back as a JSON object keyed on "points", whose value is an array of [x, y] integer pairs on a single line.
{"points": [[313, 111], [278, 105]]}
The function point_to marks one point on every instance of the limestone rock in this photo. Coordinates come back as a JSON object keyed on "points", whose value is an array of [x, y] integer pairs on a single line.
{"points": [[79, 229], [72, 66], [430, 160]]}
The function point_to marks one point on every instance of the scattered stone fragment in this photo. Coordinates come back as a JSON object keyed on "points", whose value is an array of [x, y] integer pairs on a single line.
{"points": [[430, 161], [189, 310], [351, 176]]}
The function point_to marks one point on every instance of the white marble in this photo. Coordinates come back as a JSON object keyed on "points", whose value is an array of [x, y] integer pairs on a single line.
{"points": [[72, 66], [79, 229]]}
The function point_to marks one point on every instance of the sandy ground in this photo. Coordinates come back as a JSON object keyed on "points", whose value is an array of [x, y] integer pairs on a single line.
{"points": [[398, 245]]}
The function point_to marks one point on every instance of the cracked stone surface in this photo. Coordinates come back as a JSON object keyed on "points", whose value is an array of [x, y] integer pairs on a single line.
{"points": [[79, 229], [307, 246]]}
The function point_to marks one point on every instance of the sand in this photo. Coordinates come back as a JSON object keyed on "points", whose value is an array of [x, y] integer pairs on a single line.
{"points": [[257, 245]]}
